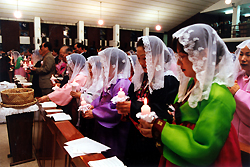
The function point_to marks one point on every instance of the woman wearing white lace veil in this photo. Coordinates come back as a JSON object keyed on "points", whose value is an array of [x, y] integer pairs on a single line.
{"points": [[91, 90], [203, 134], [241, 93], [77, 74], [109, 129], [149, 81]]}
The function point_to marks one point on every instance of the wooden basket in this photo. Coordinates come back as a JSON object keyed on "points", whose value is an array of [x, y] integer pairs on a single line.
{"points": [[17, 96]]}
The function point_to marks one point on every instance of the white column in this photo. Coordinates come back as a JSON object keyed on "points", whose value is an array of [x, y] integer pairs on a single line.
{"points": [[37, 32], [235, 18], [116, 35], [146, 31], [80, 31]]}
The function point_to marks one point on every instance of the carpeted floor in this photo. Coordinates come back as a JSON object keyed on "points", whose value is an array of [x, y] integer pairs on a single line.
{"points": [[4, 150]]}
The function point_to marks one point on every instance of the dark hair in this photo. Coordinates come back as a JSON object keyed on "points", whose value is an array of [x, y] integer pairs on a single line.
{"points": [[80, 45], [68, 50], [47, 44], [140, 43], [56, 50], [175, 43]]}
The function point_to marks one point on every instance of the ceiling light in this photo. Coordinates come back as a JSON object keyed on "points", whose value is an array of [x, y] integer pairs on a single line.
{"points": [[100, 21], [17, 13], [229, 12], [158, 26], [228, 2]]}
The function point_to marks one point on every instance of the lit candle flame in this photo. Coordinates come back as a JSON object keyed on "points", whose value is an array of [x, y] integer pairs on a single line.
{"points": [[145, 101]]}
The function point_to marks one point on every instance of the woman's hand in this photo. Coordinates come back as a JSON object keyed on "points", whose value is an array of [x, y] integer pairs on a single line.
{"points": [[145, 128], [123, 107], [43, 99], [88, 114], [234, 88], [75, 94]]}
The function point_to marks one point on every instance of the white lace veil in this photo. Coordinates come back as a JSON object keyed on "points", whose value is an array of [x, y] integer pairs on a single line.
{"points": [[156, 54], [94, 85], [75, 65], [211, 60], [238, 69], [15, 55], [132, 59], [115, 64]]}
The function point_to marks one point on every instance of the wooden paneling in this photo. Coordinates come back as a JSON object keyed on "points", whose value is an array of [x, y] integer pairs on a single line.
{"points": [[10, 35]]}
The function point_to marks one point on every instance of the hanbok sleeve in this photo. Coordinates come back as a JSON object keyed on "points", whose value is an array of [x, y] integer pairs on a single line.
{"points": [[62, 96], [242, 99], [104, 110], [202, 145]]}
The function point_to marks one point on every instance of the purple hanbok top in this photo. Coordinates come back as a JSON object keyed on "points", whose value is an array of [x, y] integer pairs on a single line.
{"points": [[104, 110], [109, 129]]}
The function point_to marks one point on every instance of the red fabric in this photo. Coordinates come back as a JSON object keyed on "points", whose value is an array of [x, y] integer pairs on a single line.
{"points": [[229, 156]]}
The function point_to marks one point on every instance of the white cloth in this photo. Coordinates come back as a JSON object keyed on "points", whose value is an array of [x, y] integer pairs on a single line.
{"points": [[115, 64], [157, 55], [212, 61], [76, 64], [94, 84], [4, 111]]}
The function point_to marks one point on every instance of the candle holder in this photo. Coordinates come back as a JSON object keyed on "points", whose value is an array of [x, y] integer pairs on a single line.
{"points": [[146, 113], [84, 105], [120, 97], [147, 117]]}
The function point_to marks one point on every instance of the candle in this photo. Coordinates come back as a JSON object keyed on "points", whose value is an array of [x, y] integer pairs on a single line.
{"points": [[53, 79], [121, 93], [25, 66], [30, 64], [145, 109], [83, 102], [74, 86]]}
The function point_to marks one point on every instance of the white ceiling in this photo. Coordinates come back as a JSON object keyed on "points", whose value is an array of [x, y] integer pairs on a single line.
{"points": [[129, 14]]}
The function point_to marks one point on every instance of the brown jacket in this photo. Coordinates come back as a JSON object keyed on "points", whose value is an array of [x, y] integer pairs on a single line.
{"points": [[46, 70]]}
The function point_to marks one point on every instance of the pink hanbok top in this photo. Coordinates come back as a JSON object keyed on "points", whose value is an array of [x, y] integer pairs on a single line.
{"points": [[62, 96], [241, 119]]}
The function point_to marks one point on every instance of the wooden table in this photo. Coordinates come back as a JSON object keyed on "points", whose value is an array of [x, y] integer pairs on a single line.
{"points": [[48, 141]]}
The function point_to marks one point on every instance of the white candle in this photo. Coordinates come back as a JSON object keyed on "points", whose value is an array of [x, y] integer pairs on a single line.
{"points": [[83, 102], [53, 79], [121, 93], [145, 109], [74, 86]]}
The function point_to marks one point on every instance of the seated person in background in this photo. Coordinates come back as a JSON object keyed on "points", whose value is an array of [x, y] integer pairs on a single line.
{"points": [[77, 74], [203, 134], [241, 93], [109, 129]]}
